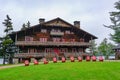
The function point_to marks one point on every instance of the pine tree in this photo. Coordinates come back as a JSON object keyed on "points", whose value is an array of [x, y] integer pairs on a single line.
{"points": [[115, 20], [6, 41], [23, 26], [28, 24], [8, 25]]}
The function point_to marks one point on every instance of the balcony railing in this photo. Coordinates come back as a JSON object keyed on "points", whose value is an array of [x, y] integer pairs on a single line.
{"points": [[48, 43], [57, 33], [28, 55], [37, 55]]}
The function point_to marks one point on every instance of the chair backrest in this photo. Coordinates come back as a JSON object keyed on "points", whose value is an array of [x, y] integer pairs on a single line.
{"points": [[26, 63], [35, 61], [100, 58], [63, 58], [54, 59], [71, 58], [79, 58], [88, 58], [93, 57]]}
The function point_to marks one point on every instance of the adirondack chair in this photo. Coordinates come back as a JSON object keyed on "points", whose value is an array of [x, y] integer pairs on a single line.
{"points": [[63, 59], [26, 63], [54, 60], [101, 59], [72, 59], [93, 58], [79, 59], [45, 61], [88, 58], [36, 62]]}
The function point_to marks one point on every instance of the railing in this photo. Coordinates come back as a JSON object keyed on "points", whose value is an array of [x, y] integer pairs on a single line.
{"points": [[28, 55], [48, 43], [35, 55]]}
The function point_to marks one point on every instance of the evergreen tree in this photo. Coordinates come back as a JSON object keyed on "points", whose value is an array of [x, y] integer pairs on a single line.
{"points": [[23, 27], [6, 41], [8, 25], [28, 24], [115, 20]]}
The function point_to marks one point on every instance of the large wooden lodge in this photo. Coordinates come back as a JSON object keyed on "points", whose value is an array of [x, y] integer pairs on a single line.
{"points": [[54, 38]]}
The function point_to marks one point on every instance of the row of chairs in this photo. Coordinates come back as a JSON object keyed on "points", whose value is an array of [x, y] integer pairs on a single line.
{"points": [[72, 59]]}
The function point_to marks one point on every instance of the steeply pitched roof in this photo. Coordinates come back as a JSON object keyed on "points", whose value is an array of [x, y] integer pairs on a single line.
{"points": [[117, 47], [57, 22]]}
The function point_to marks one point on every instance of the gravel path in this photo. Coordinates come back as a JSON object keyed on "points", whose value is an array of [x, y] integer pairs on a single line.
{"points": [[10, 66]]}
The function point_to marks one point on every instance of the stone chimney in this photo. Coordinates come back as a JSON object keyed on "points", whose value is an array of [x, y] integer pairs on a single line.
{"points": [[77, 24], [41, 20]]}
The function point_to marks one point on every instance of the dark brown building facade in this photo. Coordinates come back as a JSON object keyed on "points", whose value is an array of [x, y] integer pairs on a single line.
{"points": [[54, 38], [117, 51]]}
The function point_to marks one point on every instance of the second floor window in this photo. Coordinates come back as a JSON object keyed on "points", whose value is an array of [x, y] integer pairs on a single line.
{"points": [[43, 30], [67, 32], [28, 38], [48, 50], [56, 39], [72, 40], [43, 39]]}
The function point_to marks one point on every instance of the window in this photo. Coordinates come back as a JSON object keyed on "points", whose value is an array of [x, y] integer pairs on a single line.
{"points": [[56, 39], [81, 40], [72, 40], [43, 39], [31, 50], [48, 50], [43, 30], [67, 32], [63, 40], [74, 50], [72, 32], [28, 38], [55, 30], [63, 50]]}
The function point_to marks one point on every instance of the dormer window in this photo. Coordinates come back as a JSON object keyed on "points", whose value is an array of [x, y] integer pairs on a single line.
{"points": [[43, 30]]}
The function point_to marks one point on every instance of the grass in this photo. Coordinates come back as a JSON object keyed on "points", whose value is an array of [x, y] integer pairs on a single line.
{"points": [[64, 71]]}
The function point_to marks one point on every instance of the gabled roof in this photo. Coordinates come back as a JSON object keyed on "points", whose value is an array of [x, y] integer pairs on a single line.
{"points": [[56, 22], [117, 47]]}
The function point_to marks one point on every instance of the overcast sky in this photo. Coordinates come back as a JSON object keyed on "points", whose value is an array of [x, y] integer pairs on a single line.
{"points": [[92, 13]]}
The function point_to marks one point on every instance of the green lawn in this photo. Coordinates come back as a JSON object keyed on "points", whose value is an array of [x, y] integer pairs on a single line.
{"points": [[64, 71]]}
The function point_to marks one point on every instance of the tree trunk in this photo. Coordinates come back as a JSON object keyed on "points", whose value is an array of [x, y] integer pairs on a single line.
{"points": [[10, 59], [4, 59]]}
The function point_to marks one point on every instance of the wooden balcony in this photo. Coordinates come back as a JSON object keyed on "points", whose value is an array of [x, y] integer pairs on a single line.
{"points": [[57, 33], [28, 55], [48, 43], [48, 55]]}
